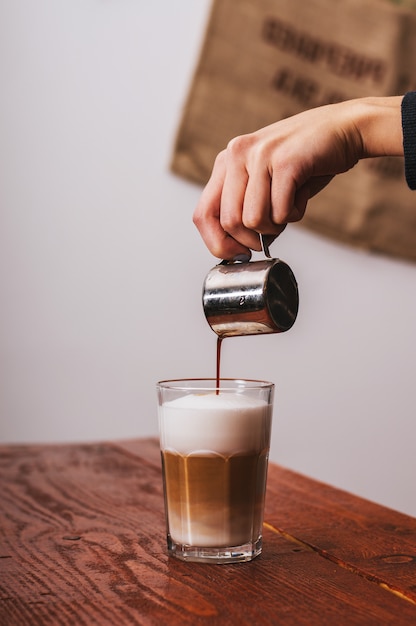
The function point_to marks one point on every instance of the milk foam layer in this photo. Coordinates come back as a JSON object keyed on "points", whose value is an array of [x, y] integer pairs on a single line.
{"points": [[222, 423]]}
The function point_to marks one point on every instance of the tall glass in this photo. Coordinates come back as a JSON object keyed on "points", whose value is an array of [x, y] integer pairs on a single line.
{"points": [[215, 445]]}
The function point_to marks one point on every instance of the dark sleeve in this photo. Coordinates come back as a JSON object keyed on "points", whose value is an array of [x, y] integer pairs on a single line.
{"points": [[409, 137]]}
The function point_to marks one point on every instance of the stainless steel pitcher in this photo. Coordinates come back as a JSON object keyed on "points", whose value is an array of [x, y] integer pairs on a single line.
{"points": [[250, 298]]}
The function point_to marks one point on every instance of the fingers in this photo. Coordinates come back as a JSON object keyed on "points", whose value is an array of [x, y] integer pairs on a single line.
{"points": [[288, 198], [259, 197], [245, 197], [233, 196], [208, 216], [257, 203]]}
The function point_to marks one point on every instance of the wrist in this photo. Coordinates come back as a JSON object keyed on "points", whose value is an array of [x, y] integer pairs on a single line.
{"points": [[379, 124]]}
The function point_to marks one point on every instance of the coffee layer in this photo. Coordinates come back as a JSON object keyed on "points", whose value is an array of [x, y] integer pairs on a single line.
{"points": [[214, 501]]}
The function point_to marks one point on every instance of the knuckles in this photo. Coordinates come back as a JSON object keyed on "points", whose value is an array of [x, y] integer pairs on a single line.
{"points": [[230, 221], [198, 218], [254, 221], [239, 146]]}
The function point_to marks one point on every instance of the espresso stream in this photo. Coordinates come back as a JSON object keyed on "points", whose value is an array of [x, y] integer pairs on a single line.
{"points": [[218, 370]]}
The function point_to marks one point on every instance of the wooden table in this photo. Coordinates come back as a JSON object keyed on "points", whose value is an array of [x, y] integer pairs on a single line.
{"points": [[82, 541]]}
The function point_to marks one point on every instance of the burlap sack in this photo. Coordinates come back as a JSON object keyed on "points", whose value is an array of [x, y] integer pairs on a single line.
{"points": [[263, 60]]}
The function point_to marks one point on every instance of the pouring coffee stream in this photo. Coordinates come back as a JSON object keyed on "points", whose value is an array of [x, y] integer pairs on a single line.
{"points": [[250, 298]]}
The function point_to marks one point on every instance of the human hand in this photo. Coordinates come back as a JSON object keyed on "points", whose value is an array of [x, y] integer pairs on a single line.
{"points": [[263, 180]]}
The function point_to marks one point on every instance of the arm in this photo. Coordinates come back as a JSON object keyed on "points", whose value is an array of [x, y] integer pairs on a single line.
{"points": [[263, 180]]}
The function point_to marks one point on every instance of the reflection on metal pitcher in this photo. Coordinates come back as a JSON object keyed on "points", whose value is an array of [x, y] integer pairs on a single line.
{"points": [[250, 298]]}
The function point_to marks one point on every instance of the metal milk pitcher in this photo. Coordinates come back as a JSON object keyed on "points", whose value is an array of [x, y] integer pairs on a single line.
{"points": [[250, 298]]}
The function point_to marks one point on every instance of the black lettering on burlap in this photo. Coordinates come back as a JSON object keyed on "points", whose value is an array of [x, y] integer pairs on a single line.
{"points": [[339, 60], [305, 90], [301, 88]]}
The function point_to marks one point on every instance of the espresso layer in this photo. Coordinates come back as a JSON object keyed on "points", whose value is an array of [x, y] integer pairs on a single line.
{"points": [[214, 500]]}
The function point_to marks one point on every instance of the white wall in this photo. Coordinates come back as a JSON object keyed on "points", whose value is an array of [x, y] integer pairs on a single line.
{"points": [[101, 268]]}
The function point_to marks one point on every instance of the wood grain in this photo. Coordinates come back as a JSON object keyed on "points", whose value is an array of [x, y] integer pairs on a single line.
{"points": [[82, 541], [371, 540]]}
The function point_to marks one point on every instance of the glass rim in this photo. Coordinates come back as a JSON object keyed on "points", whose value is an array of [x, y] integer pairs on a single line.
{"points": [[225, 384]]}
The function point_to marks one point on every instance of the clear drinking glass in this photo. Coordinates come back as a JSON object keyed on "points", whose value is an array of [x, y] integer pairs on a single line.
{"points": [[214, 444]]}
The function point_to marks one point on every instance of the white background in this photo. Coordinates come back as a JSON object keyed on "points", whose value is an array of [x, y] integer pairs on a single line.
{"points": [[101, 268]]}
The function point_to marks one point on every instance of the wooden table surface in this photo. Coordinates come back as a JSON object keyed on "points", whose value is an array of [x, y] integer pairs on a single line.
{"points": [[82, 541]]}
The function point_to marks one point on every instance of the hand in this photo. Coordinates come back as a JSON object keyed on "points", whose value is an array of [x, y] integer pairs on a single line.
{"points": [[263, 180]]}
